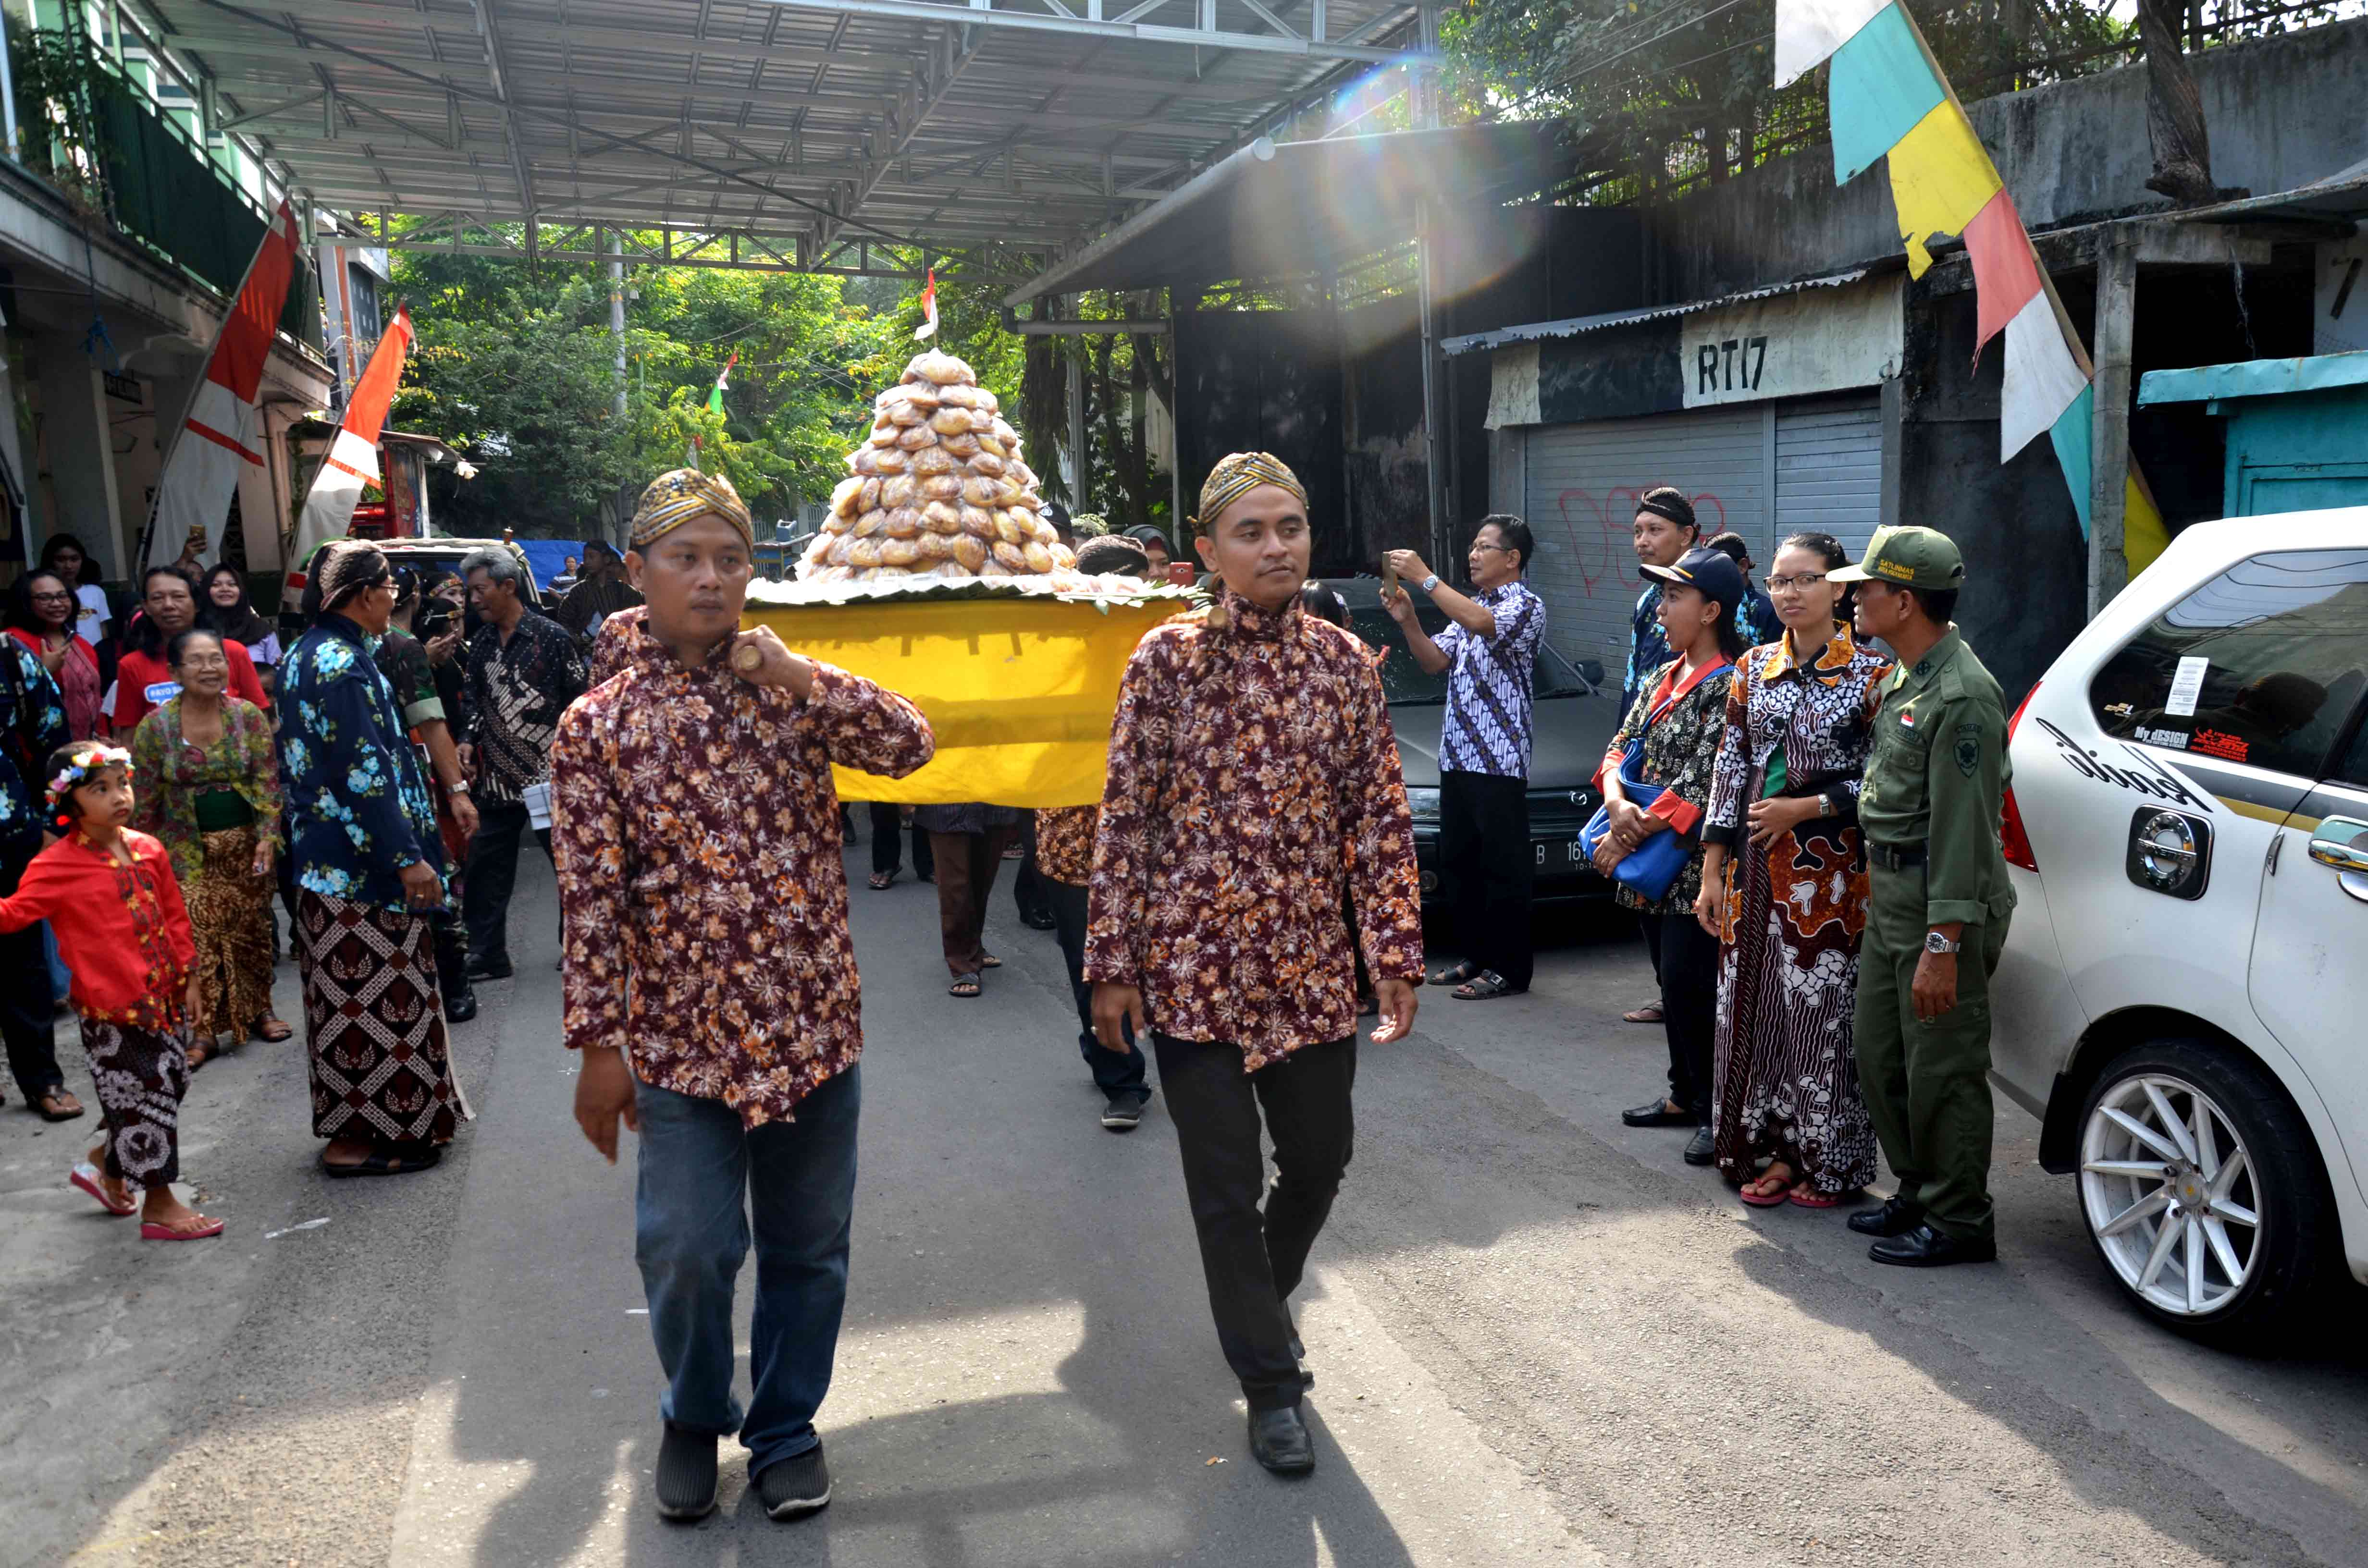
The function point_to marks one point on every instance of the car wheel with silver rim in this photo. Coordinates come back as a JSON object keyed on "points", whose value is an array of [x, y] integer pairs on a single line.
{"points": [[2198, 1189]]}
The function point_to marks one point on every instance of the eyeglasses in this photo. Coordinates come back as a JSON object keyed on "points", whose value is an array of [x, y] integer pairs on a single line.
{"points": [[1804, 581], [53, 599]]}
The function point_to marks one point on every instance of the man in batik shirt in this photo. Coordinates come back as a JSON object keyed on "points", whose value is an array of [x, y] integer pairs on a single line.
{"points": [[1488, 651], [524, 670], [705, 893], [1253, 780]]}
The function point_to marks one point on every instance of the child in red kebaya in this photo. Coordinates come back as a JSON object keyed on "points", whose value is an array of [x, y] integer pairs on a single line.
{"points": [[110, 894]]}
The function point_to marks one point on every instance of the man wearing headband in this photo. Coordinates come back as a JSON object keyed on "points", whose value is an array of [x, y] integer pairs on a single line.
{"points": [[368, 865], [1253, 783], [711, 982], [1664, 531]]}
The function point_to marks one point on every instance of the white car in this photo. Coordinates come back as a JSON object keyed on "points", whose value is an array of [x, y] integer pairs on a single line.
{"points": [[2183, 998]]}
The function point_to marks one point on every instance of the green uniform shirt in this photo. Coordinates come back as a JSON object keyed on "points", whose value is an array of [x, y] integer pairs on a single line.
{"points": [[1937, 777]]}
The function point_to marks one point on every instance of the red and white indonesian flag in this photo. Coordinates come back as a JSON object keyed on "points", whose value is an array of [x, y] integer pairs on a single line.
{"points": [[353, 457], [218, 436], [928, 327]]}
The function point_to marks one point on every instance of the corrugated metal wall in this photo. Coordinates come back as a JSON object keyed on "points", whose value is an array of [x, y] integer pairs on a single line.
{"points": [[1829, 469], [1581, 482]]}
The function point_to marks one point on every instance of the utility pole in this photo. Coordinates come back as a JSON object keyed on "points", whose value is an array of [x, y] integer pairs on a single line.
{"points": [[617, 314], [618, 505]]}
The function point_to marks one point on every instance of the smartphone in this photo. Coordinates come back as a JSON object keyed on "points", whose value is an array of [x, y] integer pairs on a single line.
{"points": [[1389, 581], [1181, 574]]}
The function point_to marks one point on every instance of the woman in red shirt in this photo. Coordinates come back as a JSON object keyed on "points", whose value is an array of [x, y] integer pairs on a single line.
{"points": [[110, 896], [41, 616], [168, 605]]}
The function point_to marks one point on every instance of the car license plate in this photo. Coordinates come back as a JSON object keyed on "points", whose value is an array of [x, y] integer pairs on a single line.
{"points": [[1557, 855]]}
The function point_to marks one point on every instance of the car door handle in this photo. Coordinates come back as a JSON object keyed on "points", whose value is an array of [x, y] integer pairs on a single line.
{"points": [[2342, 843]]}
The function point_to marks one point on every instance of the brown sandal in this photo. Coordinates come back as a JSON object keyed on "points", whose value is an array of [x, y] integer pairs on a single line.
{"points": [[58, 1097], [266, 1025]]}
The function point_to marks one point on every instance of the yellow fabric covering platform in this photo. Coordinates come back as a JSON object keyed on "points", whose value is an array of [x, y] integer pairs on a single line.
{"points": [[1020, 689]]}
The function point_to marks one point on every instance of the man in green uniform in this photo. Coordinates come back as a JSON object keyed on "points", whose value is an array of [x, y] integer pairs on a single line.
{"points": [[1938, 907]]}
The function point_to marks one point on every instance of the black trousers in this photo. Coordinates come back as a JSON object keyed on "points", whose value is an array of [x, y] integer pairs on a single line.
{"points": [[887, 843], [27, 1007], [1031, 889], [1253, 1260], [492, 873], [1686, 958], [1486, 870], [1115, 1073]]}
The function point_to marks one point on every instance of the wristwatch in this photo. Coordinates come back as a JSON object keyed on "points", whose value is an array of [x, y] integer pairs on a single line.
{"points": [[1430, 583], [1935, 943]]}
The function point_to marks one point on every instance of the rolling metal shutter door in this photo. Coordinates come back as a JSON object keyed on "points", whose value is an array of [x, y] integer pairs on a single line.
{"points": [[1829, 469], [1580, 486]]}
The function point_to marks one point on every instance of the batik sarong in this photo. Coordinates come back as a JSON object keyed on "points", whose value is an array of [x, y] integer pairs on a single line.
{"points": [[141, 1074], [230, 919], [374, 1024], [1786, 1076]]}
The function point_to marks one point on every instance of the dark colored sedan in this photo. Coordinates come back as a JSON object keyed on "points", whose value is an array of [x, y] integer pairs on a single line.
{"points": [[1574, 724]]}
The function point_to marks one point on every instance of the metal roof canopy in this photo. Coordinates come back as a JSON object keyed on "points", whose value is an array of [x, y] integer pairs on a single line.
{"points": [[769, 134], [1273, 210], [1572, 327]]}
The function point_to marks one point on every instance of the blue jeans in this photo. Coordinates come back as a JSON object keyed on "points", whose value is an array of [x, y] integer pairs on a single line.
{"points": [[700, 1175]]}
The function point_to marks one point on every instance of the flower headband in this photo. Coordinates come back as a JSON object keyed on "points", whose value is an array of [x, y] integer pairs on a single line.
{"points": [[81, 763]]}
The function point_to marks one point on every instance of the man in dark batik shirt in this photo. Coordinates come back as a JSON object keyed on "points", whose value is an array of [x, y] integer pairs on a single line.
{"points": [[523, 672]]}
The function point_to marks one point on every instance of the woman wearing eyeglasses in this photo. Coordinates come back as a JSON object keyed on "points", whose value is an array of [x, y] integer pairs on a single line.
{"points": [[42, 615], [1784, 889]]}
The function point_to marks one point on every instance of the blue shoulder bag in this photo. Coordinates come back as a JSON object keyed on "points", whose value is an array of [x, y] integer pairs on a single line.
{"points": [[1652, 868]]}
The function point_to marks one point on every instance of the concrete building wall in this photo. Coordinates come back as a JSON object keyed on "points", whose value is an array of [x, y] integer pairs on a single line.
{"points": [[2281, 111], [94, 462]]}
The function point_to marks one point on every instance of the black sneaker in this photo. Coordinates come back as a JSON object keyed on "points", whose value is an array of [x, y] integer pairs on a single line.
{"points": [[796, 1487], [685, 1474], [1123, 1114]]}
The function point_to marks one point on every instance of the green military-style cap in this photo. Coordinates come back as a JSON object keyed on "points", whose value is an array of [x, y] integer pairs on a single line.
{"points": [[1912, 557]]}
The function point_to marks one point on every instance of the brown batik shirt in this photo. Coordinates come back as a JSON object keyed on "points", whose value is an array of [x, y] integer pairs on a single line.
{"points": [[1064, 843], [1253, 778], [701, 872]]}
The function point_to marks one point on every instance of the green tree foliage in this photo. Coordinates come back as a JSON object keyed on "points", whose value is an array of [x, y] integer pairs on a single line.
{"points": [[515, 369]]}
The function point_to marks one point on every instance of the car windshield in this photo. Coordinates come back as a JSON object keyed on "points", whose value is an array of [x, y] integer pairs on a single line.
{"points": [[1405, 682]]}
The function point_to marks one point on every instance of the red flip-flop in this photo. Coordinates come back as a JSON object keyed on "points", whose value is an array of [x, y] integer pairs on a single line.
{"points": [[86, 1176], [151, 1231], [1817, 1199]]}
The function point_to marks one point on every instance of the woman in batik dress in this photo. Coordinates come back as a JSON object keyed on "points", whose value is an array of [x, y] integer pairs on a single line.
{"points": [[209, 791], [369, 871], [1785, 888]]}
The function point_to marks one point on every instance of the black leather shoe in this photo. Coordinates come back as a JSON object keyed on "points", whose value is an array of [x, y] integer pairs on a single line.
{"points": [[686, 1479], [1039, 920], [1278, 1440], [1925, 1247], [1896, 1218], [460, 1008], [482, 969], [1657, 1114], [1702, 1148]]}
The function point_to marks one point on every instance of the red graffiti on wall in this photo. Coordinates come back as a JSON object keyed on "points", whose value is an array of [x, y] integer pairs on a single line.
{"points": [[1610, 521]]}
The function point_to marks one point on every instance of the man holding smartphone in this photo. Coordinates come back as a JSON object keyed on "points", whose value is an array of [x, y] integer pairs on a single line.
{"points": [[1489, 649]]}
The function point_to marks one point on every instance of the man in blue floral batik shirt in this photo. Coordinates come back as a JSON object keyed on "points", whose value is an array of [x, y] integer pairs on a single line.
{"points": [[369, 871]]}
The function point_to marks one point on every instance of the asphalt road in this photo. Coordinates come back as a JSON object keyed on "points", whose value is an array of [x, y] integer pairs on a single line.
{"points": [[1539, 1336]]}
